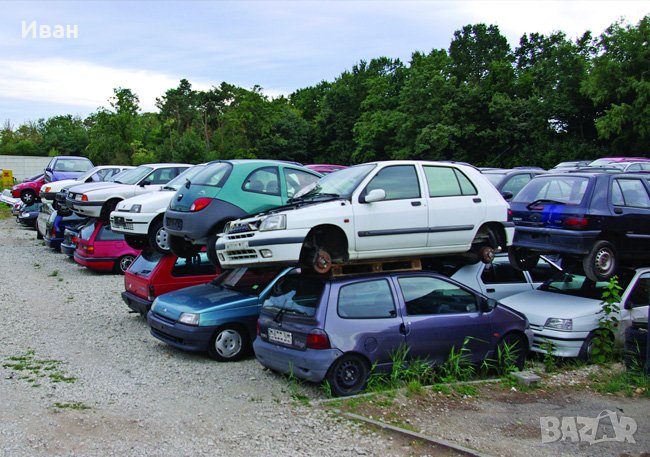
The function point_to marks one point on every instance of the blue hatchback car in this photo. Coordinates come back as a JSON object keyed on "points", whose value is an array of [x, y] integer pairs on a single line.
{"points": [[218, 317], [337, 329]]}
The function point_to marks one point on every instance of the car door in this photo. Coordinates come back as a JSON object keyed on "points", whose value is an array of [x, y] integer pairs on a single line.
{"points": [[439, 315], [456, 209], [631, 207], [500, 279], [398, 221], [154, 180], [363, 317], [635, 301]]}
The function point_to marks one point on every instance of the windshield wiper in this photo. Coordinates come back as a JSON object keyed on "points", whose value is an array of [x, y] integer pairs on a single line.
{"points": [[544, 200], [278, 317]]}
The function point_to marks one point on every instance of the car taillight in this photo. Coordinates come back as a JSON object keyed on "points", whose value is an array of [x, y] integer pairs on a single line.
{"points": [[15, 193], [90, 248], [576, 222], [53, 232], [257, 328], [84, 198], [318, 339], [509, 215], [75, 239], [200, 203], [152, 292]]}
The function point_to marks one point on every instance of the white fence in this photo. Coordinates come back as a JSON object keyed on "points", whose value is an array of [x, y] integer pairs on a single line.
{"points": [[23, 166]]}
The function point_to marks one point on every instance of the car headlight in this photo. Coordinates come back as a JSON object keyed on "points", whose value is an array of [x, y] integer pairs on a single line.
{"points": [[189, 319], [274, 222], [559, 324], [135, 208], [154, 304], [226, 228], [47, 189]]}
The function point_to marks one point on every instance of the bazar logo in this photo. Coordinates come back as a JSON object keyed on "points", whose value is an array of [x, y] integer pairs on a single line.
{"points": [[585, 429]]}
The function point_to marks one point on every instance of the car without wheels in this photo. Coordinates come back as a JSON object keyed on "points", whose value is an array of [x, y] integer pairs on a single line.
{"points": [[379, 210], [100, 199]]}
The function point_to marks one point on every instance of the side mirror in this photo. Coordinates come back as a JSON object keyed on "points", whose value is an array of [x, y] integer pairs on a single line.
{"points": [[375, 195], [507, 195], [490, 304], [48, 169], [145, 183], [628, 304]]}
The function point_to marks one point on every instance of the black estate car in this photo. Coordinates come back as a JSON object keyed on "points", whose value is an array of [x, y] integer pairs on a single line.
{"points": [[602, 219]]}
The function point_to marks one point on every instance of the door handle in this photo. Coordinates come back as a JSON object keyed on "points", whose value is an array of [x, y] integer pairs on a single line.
{"points": [[416, 203], [477, 200], [618, 210], [490, 291]]}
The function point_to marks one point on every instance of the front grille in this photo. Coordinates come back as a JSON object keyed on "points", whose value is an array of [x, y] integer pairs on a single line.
{"points": [[174, 224], [243, 227], [164, 319], [166, 336], [242, 254], [239, 237], [537, 328]]}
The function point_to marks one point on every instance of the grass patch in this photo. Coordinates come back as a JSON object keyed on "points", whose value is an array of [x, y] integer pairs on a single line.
{"points": [[5, 211], [54, 273], [35, 370], [74, 405], [466, 390], [612, 380]]}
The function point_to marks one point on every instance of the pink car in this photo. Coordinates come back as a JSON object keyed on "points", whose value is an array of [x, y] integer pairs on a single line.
{"points": [[28, 190], [324, 168], [99, 248], [604, 161]]}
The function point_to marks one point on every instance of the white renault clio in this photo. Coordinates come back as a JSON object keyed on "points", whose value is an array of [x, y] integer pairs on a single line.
{"points": [[376, 210]]}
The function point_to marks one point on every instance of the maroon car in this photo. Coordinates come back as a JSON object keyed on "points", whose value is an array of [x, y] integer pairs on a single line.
{"points": [[28, 190], [99, 248]]}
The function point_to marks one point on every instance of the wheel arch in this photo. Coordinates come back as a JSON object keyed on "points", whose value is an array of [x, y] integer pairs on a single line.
{"points": [[332, 232]]}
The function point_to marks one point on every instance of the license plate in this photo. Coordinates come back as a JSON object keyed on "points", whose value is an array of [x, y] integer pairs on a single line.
{"points": [[119, 221], [280, 336], [236, 245]]}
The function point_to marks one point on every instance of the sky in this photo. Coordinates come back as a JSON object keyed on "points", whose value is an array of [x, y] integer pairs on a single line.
{"points": [[148, 46]]}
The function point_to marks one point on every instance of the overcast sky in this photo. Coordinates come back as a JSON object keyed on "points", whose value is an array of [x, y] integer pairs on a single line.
{"points": [[148, 46]]}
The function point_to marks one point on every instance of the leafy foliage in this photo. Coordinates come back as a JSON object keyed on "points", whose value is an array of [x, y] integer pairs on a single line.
{"points": [[603, 344]]}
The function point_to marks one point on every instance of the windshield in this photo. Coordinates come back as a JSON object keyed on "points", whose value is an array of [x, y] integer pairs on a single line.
{"points": [[561, 189], [494, 178], [144, 264], [181, 179], [214, 175], [247, 281], [88, 174], [339, 184], [134, 175], [578, 285], [87, 231], [72, 165], [296, 294]]}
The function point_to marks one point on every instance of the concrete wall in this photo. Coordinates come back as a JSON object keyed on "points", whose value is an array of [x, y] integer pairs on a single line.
{"points": [[24, 166]]}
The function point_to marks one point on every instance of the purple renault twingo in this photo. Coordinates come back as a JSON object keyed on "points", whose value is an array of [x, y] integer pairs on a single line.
{"points": [[336, 329]]}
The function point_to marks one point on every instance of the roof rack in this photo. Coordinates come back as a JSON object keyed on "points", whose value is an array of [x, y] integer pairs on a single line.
{"points": [[376, 266]]}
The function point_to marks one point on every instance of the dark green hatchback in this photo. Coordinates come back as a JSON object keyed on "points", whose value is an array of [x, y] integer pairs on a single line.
{"points": [[224, 191]]}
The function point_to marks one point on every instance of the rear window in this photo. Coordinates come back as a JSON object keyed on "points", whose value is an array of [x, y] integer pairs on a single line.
{"points": [[107, 234], [144, 264], [198, 265], [87, 231], [296, 294], [247, 281], [214, 175], [562, 189], [578, 285]]}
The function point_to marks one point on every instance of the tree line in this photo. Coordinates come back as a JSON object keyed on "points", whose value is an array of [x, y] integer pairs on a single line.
{"points": [[479, 101]]}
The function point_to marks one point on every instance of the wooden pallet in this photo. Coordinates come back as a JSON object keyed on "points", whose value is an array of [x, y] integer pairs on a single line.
{"points": [[375, 266]]}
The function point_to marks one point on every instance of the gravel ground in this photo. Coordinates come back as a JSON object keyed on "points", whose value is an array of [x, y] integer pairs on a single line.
{"points": [[144, 398]]}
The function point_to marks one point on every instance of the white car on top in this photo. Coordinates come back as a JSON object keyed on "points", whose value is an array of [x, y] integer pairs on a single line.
{"points": [[376, 210], [100, 199], [96, 174], [140, 218]]}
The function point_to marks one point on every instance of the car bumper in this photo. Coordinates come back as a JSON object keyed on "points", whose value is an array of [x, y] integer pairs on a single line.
{"points": [[131, 223], [68, 249], [555, 240], [310, 365], [95, 263], [565, 344], [263, 248], [53, 243], [49, 196], [90, 209], [136, 303], [181, 336]]}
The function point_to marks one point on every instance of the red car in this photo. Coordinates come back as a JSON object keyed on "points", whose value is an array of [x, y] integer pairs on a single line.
{"points": [[153, 274], [99, 248], [28, 190]]}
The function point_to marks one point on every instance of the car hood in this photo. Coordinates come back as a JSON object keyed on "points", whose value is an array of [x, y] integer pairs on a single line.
{"points": [[539, 305], [200, 299], [56, 186], [89, 187], [150, 202]]}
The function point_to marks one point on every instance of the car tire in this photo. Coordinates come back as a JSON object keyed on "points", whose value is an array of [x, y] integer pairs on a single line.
{"points": [[211, 250], [28, 197], [602, 261], [136, 242], [348, 375], [39, 235], [514, 342], [586, 348], [158, 238], [107, 209], [229, 344], [182, 248], [522, 259], [123, 263]]}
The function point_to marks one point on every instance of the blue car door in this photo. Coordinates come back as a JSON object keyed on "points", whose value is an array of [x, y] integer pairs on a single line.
{"points": [[440, 315]]}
